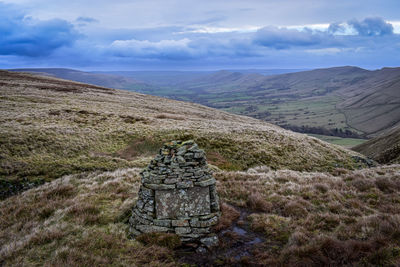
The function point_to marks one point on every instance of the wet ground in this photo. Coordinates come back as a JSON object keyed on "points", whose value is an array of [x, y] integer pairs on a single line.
{"points": [[237, 245]]}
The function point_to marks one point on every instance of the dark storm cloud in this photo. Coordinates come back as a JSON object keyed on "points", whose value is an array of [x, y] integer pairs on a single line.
{"points": [[24, 36], [282, 38]]}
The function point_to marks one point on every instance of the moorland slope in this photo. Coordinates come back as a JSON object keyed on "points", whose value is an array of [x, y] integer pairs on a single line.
{"points": [[52, 127], [342, 101], [90, 143], [384, 149]]}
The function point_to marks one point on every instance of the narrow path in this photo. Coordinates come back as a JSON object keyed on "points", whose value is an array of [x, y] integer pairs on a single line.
{"points": [[236, 245]]}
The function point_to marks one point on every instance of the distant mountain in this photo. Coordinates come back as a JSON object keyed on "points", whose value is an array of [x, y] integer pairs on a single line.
{"points": [[106, 80], [348, 101], [342, 101], [177, 78], [384, 149], [160, 78]]}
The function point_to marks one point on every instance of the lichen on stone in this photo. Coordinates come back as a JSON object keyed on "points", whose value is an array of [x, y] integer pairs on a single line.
{"points": [[177, 195]]}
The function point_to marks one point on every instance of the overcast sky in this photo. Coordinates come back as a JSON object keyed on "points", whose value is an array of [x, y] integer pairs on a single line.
{"points": [[199, 35]]}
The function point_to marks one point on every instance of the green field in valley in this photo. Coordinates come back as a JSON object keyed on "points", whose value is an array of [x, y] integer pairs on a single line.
{"points": [[345, 142]]}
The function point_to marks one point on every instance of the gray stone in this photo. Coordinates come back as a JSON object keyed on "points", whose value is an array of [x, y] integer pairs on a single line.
{"points": [[206, 223], [183, 230], [207, 217], [205, 178], [184, 184], [140, 204], [164, 223], [198, 155], [199, 173], [143, 221], [188, 142], [160, 186], [178, 194], [182, 202], [180, 159], [151, 228], [134, 232], [142, 215], [209, 242], [201, 230], [171, 180], [181, 151], [146, 192], [151, 181], [149, 206], [201, 250], [206, 182], [179, 223], [188, 155]]}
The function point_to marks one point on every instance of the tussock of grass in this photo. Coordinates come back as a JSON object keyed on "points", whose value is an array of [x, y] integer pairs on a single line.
{"points": [[72, 222], [229, 215], [315, 219], [311, 219], [167, 240]]}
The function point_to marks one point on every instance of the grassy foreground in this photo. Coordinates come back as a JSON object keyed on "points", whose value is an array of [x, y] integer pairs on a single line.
{"points": [[347, 218]]}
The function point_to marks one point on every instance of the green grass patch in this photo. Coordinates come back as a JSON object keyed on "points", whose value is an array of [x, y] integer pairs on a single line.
{"points": [[345, 142]]}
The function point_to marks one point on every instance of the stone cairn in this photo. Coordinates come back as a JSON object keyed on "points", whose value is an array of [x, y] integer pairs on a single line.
{"points": [[177, 195]]}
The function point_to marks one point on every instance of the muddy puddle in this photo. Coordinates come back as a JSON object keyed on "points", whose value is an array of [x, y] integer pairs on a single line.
{"points": [[237, 245]]}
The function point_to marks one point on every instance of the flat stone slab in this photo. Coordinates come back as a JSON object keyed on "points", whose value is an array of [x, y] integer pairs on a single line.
{"points": [[182, 203]]}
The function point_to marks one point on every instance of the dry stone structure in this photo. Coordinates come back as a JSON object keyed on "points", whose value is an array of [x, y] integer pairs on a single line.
{"points": [[177, 195]]}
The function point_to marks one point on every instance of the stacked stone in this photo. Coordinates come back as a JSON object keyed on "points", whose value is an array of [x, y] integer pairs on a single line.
{"points": [[177, 195]]}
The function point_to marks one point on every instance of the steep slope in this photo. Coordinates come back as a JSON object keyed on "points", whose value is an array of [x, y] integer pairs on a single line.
{"points": [[373, 105], [52, 127], [384, 149], [106, 80]]}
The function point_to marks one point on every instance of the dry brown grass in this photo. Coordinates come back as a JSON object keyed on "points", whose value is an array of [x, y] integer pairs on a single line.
{"points": [[311, 219], [229, 215], [319, 219], [167, 240], [76, 221]]}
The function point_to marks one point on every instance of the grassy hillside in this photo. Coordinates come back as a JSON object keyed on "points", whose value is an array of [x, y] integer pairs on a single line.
{"points": [[347, 98], [324, 100], [373, 105], [384, 148], [51, 127], [90, 143], [106, 80]]}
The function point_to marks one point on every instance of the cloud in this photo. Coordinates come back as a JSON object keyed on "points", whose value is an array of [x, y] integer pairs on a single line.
{"points": [[166, 49], [341, 34], [372, 27], [24, 36], [282, 38], [86, 20]]}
